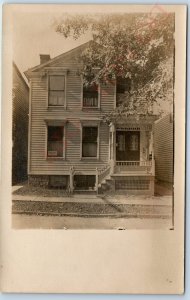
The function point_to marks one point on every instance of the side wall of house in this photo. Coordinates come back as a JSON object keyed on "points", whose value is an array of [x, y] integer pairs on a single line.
{"points": [[20, 95], [39, 164], [163, 143]]}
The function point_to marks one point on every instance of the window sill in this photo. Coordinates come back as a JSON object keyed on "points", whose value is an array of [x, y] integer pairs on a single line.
{"points": [[89, 159], [55, 158], [56, 107], [90, 108]]}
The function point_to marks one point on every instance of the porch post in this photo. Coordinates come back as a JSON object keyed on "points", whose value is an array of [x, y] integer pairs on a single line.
{"points": [[153, 160], [112, 148], [71, 179], [96, 184]]}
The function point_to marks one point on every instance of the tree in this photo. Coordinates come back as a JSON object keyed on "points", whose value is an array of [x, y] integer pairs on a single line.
{"points": [[136, 46]]}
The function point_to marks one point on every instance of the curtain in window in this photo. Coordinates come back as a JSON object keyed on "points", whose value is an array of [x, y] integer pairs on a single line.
{"points": [[90, 95], [121, 142], [89, 141], [55, 141], [56, 90], [134, 142]]}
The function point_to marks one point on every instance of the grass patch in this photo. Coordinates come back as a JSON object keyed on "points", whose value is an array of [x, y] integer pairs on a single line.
{"points": [[28, 190]]}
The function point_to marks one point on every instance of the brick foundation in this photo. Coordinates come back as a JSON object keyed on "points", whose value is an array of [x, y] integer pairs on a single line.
{"points": [[39, 180]]}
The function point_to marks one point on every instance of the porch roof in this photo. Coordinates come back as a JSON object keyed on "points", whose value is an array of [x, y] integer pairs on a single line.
{"points": [[140, 120]]}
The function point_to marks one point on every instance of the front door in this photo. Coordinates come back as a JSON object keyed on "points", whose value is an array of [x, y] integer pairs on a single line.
{"points": [[127, 145]]}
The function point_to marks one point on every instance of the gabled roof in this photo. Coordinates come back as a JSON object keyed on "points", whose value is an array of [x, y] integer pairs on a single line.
{"points": [[19, 74], [59, 57]]}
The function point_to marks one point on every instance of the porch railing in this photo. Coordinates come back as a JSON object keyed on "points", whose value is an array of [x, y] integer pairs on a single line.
{"points": [[144, 166], [147, 163], [103, 173]]}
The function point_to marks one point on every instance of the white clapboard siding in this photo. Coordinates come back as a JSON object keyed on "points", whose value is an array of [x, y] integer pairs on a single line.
{"points": [[39, 164], [163, 143]]}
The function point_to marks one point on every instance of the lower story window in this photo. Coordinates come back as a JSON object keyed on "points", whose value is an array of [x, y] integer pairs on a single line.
{"points": [[89, 141], [84, 182], [59, 181], [55, 141]]}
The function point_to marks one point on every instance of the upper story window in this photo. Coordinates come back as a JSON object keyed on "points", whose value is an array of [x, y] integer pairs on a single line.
{"points": [[123, 85], [55, 141], [56, 90], [90, 96]]}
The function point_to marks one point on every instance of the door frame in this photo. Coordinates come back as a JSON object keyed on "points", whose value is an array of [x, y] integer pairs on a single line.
{"points": [[139, 141]]}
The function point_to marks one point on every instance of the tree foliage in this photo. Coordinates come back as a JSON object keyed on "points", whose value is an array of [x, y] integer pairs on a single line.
{"points": [[139, 46]]}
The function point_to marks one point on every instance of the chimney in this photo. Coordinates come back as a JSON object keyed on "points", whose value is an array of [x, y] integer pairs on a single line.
{"points": [[44, 58]]}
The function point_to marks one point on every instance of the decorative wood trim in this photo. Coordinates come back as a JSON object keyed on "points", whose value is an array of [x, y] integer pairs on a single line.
{"points": [[55, 122], [56, 70]]}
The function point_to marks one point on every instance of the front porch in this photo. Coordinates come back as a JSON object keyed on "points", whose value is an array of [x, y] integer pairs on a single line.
{"points": [[131, 158]]}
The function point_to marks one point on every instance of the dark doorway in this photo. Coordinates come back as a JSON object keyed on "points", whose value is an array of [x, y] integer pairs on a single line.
{"points": [[128, 145]]}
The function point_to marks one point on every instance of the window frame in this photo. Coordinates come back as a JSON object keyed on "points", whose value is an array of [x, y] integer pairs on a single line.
{"points": [[98, 141], [82, 94], [56, 124], [123, 84], [56, 72]]}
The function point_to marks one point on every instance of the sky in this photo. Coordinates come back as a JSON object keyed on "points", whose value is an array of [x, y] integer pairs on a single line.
{"points": [[33, 31], [34, 34]]}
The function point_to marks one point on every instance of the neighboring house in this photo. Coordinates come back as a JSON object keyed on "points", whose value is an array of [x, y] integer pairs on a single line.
{"points": [[70, 145], [164, 149], [20, 98]]}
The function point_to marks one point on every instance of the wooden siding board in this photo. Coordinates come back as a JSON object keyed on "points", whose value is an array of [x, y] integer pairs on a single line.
{"points": [[163, 142], [38, 162]]}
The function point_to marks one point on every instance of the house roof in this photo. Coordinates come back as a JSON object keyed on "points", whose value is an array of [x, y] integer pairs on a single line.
{"points": [[59, 57], [20, 75]]}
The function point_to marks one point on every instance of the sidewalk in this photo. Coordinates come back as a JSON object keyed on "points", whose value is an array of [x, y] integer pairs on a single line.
{"points": [[117, 199], [81, 205]]}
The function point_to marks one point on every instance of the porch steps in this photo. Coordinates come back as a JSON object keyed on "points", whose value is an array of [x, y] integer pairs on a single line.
{"points": [[135, 184]]}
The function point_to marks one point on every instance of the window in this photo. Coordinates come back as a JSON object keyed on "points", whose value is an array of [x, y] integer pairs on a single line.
{"points": [[89, 141], [121, 142], [134, 142], [123, 85], [84, 182], [58, 181], [56, 90], [90, 95], [55, 141]]}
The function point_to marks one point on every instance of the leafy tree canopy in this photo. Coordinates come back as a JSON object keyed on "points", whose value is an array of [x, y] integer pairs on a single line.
{"points": [[138, 46]]}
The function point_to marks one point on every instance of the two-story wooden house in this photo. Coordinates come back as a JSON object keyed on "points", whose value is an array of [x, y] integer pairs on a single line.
{"points": [[70, 145]]}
